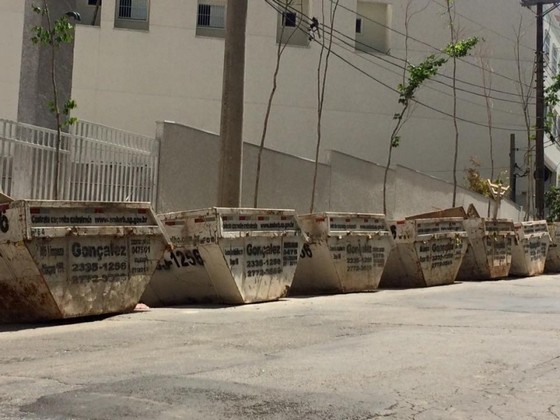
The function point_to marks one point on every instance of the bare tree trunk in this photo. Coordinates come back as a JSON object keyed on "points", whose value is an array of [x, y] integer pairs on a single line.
{"points": [[279, 53], [486, 89], [56, 107], [394, 134], [400, 120], [454, 88], [321, 85], [525, 95]]}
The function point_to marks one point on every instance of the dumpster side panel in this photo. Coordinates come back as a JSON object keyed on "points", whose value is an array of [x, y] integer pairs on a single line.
{"points": [[250, 255], [315, 271], [499, 250], [530, 248], [489, 252], [259, 272], [356, 245], [402, 269], [12, 224], [440, 259], [360, 261], [428, 252], [25, 296], [471, 269], [224, 265], [73, 259], [96, 275], [180, 278], [552, 264], [529, 256]]}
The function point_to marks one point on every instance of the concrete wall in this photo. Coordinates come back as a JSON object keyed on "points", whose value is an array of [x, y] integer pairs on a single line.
{"points": [[188, 179], [11, 36], [357, 185], [420, 193], [35, 87], [188, 176], [129, 79]]}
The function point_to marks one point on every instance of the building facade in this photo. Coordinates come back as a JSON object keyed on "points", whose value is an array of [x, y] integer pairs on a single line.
{"points": [[550, 49], [136, 62]]}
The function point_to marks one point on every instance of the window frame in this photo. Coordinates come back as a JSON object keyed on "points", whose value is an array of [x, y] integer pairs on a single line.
{"points": [[124, 22], [209, 30]]}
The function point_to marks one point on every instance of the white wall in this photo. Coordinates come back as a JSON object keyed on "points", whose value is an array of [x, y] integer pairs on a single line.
{"points": [[129, 79], [11, 36], [188, 179]]}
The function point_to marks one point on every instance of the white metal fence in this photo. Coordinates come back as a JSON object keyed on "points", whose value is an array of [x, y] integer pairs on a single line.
{"points": [[98, 163]]}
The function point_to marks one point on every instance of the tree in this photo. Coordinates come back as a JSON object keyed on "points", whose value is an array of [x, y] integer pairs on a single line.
{"points": [[321, 86], [279, 52], [525, 89], [53, 35], [417, 75], [454, 35], [552, 201]]}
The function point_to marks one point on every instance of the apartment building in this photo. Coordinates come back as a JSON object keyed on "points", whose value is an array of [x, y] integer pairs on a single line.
{"points": [[550, 49], [139, 61]]}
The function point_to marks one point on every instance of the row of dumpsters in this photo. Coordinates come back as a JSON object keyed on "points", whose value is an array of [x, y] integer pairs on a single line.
{"points": [[74, 259]]}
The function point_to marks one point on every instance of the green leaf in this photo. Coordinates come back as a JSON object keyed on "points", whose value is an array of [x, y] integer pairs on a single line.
{"points": [[461, 48]]}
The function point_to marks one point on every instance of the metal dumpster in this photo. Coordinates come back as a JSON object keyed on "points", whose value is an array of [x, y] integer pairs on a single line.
{"points": [[489, 251], [530, 248], [428, 252], [63, 259], [227, 255], [346, 253], [552, 264]]}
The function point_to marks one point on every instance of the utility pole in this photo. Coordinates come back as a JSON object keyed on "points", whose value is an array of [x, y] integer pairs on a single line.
{"points": [[231, 125], [539, 143]]}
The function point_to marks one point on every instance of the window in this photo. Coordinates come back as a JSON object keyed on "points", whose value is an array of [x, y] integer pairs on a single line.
{"points": [[292, 27], [133, 9], [211, 19], [93, 2], [373, 21], [359, 26], [132, 14], [290, 19]]}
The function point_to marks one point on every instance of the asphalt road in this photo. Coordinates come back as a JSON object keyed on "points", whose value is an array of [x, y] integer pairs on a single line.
{"points": [[479, 350]]}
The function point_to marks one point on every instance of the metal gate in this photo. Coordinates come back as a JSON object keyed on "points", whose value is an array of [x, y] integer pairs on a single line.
{"points": [[97, 163]]}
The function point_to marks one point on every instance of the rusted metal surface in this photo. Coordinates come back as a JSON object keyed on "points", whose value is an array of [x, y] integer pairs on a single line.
{"points": [[346, 253], [489, 251], [74, 259], [530, 248], [428, 252], [226, 255], [552, 264]]}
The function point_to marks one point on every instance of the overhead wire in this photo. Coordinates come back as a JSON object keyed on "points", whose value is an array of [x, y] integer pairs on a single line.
{"points": [[512, 128], [422, 42], [435, 80]]}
